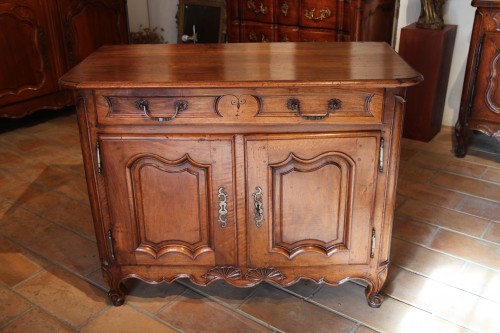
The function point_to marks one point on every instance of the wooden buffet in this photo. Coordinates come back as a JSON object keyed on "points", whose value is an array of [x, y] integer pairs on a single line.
{"points": [[242, 162]]}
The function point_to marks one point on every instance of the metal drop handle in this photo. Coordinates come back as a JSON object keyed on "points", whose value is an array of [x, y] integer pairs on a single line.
{"points": [[179, 105], [258, 207], [333, 104]]}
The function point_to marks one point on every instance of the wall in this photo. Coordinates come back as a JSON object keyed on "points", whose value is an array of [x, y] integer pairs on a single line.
{"points": [[161, 14]]}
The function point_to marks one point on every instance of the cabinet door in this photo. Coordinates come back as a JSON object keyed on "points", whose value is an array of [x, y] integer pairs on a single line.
{"points": [[486, 105], [170, 199], [316, 194], [89, 24], [26, 58]]}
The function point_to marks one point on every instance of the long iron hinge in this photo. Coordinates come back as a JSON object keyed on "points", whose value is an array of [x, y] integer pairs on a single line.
{"points": [[111, 244], [381, 156], [98, 154], [372, 253]]}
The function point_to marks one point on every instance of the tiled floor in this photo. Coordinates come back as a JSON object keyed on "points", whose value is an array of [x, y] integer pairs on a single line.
{"points": [[444, 275]]}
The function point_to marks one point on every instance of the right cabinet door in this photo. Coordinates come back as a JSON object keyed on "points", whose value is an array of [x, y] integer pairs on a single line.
{"points": [[311, 198]]}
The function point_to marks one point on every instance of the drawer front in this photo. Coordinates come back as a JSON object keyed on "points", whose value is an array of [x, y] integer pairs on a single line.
{"points": [[288, 33], [288, 12], [320, 13], [258, 10], [318, 35], [258, 106], [251, 32]]}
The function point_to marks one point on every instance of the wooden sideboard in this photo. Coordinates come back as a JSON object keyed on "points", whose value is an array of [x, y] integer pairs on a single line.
{"points": [[242, 162], [41, 40], [480, 102], [310, 20]]}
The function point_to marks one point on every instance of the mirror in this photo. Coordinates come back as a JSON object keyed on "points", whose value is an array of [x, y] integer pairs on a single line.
{"points": [[202, 21]]}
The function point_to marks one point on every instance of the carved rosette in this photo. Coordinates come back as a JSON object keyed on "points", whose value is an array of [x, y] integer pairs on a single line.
{"points": [[264, 274], [222, 273]]}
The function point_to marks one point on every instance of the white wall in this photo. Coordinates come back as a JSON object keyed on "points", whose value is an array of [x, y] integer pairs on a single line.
{"points": [[158, 14], [458, 12], [161, 14]]}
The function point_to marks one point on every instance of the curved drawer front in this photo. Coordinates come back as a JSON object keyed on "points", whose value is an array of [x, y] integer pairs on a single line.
{"points": [[276, 106]]}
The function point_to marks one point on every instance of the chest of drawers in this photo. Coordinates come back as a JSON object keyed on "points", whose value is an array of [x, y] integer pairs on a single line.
{"points": [[310, 20], [239, 162]]}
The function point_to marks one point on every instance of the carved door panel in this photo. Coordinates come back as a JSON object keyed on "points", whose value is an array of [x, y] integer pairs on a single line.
{"points": [[486, 105], [311, 199], [170, 199], [89, 24], [27, 60]]}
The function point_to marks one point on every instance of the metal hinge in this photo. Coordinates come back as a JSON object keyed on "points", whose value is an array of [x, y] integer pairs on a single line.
{"points": [[372, 253], [381, 156], [99, 166], [111, 244]]}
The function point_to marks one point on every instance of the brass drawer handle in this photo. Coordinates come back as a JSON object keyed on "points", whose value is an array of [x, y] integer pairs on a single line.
{"points": [[143, 105], [261, 10], [258, 207], [333, 104], [284, 7], [323, 14], [222, 207], [252, 36]]}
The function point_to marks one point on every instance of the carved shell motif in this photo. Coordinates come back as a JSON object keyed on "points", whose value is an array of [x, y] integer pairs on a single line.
{"points": [[222, 273], [263, 274]]}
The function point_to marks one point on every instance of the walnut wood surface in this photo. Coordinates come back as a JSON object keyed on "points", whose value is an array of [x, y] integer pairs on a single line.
{"points": [[276, 169], [243, 65]]}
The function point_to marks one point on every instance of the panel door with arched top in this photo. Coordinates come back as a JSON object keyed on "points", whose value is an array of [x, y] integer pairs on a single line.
{"points": [[170, 199], [311, 198]]}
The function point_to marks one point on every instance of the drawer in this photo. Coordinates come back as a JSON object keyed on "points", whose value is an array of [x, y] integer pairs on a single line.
{"points": [[288, 34], [320, 13], [264, 106], [258, 10], [318, 35], [257, 32], [288, 12]]}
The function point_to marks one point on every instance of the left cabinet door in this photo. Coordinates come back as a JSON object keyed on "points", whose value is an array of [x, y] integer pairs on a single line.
{"points": [[27, 59], [170, 199]]}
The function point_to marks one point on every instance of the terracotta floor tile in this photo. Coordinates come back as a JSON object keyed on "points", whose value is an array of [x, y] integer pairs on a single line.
{"points": [[406, 228], [8, 181], [291, 314], [364, 329], [64, 295], [431, 147], [44, 174], [16, 264], [448, 163], [75, 189], [493, 234], [124, 319], [36, 198], [411, 171], [480, 207], [468, 248], [11, 159], [480, 281], [11, 305], [426, 192], [52, 241], [406, 154], [192, 312], [392, 316], [151, 297], [492, 175], [468, 185], [422, 211], [38, 320], [98, 279], [224, 292], [458, 306], [436, 265], [74, 215]]}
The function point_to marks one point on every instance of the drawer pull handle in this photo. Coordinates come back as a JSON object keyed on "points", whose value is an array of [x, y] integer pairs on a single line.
{"points": [[222, 207], [323, 14], [252, 36], [258, 207], [333, 104], [179, 105], [284, 8], [261, 10]]}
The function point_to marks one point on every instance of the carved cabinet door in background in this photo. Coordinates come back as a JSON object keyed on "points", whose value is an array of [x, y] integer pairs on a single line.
{"points": [[170, 199], [317, 198]]}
